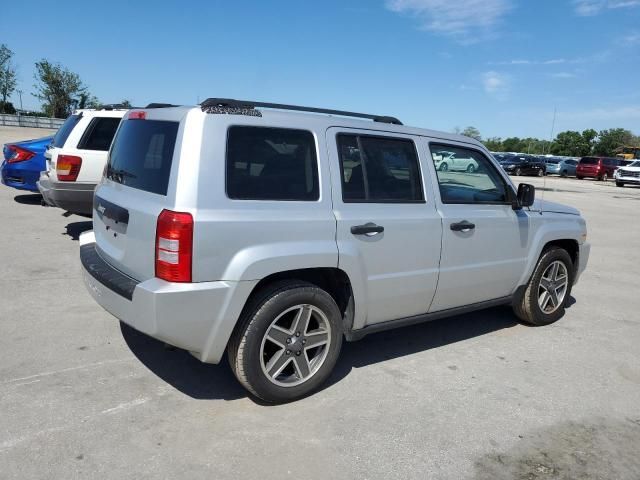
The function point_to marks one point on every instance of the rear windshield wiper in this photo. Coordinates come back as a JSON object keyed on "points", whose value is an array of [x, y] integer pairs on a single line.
{"points": [[114, 173]]}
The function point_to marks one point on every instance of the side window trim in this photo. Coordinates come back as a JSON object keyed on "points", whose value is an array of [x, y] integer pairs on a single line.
{"points": [[381, 135], [511, 195]]}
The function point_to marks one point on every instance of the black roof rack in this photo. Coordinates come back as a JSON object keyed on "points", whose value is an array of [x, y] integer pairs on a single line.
{"points": [[113, 106], [231, 103], [161, 105]]}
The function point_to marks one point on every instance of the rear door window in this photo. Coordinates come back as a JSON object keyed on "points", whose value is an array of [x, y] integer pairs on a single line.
{"points": [[271, 164], [65, 130], [142, 154], [379, 169], [589, 161], [99, 134]]}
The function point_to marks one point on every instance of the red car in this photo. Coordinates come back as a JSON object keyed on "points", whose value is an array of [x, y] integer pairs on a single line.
{"points": [[601, 168]]}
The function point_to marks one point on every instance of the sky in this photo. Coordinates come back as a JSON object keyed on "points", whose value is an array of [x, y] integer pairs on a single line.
{"points": [[502, 66]]}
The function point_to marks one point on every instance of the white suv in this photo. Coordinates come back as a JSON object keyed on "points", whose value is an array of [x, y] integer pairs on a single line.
{"points": [[77, 156], [629, 174], [271, 235]]}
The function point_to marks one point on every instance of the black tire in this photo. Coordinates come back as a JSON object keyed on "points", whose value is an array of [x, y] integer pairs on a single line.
{"points": [[564, 174], [541, 173], [526, 306], [579, 177], [517, 172], [471, 168], [604, 177], [245, 346], [444, 167], [619, 184]]}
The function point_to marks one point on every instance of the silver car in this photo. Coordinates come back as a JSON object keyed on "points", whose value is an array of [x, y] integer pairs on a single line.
{"points": [[271, 234], [565, 167]]}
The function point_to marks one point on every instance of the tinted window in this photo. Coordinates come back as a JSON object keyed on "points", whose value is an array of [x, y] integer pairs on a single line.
{"points": [[379, 169], [99, 134], [142, 154], [589, 161], [65, 130], [609, 161], [271, 164], [477, 181]]}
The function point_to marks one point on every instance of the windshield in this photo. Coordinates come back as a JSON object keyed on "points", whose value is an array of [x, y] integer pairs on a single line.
{"points": [[65, 130], [635, 164], [142, 154]]}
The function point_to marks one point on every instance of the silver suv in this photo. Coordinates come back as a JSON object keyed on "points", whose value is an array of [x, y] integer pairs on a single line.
{"points": [[272, 234]]}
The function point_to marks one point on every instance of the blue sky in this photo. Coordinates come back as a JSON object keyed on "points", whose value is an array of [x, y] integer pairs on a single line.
{"points": [[500, 65]]}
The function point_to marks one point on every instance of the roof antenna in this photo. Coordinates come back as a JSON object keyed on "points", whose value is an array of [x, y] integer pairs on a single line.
{"points": [[553, 126]]}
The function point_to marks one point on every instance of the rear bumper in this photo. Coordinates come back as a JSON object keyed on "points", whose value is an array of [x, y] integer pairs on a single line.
{"points": [[21, 175], [71, 196], [198, 317]]}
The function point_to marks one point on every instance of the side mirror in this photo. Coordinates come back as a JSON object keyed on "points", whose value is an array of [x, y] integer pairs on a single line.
{"points": [[526, 195]]}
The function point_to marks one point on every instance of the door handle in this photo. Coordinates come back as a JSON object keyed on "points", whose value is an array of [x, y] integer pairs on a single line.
{"points": [[367, 229], [462, 226]]}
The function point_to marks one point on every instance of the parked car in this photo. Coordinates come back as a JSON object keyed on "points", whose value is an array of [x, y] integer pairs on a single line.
{"points": [[77, 157], [523, 165], [23, 162], [269, 234], [446, 161], [628, 174], [601, 168], [565, 167]]}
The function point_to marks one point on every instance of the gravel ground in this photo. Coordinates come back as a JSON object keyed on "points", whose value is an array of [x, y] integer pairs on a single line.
{"points": [[475, 396]]}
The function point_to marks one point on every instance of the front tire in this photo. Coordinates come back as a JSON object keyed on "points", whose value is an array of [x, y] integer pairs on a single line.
{"points": [[444, 167], [545, 297], [619, 184], [541, 173], [517, 172], [471, 168], [287, 341]]}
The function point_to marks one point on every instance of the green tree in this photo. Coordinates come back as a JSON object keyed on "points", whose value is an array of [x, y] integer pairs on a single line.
{"points": [[493, 144], [59, 89], [514, 144], [472, 132], [610, 140], [7, 77], [126, 103], [572, 144]]}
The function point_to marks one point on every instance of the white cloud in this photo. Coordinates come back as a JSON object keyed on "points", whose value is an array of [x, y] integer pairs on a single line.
{"points": [[563, 75], [465, 20], [588, 8], [625, 114], [630, 40], [496, 84], [553, 61]]}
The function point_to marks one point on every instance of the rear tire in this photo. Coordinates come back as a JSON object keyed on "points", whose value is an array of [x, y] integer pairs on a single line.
{"points": [[517, 172], [541, 173], [444, 167], [579, 177], [604, 177], [533, 307], [266, 351], [564, 174], [471, 168]]}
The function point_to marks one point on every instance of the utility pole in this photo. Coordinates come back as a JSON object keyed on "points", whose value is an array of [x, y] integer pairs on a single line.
{"points": [[20, 95], [20, 112]]}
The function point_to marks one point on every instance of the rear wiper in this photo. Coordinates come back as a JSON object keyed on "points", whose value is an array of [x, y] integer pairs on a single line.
{"points": [[113, 174]]}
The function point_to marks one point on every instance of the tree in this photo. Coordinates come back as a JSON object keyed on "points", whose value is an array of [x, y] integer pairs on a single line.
{"points": [[493, 144], [7, 77], [126, 103], [572, 144], [472, 132], [59, 89], [609, 140]]}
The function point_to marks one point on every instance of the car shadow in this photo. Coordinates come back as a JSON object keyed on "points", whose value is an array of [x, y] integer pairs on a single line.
{"points": [[29, 199], [205, 381], [75, 229]]}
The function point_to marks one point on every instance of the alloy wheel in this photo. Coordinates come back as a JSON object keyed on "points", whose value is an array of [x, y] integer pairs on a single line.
{"points": [[295, 345], [553, 287]]}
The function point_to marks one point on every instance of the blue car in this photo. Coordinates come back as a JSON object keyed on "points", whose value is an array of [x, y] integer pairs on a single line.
{"points": [[23, 162]]}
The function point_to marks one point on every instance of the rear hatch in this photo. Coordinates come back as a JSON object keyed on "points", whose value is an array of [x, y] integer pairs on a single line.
{"points": [[588, 166], [136, 189], [60, 138]]}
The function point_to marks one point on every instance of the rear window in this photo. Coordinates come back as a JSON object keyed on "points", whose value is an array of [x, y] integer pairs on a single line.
{"points": [[65, 130], [271, 164], [99, 134], [589, 161], [142, 154]]}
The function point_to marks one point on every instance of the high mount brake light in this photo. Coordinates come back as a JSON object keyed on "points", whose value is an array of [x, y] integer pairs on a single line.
{"points": [[137, 115], [174, 246], [19, 154], [68, 167]]}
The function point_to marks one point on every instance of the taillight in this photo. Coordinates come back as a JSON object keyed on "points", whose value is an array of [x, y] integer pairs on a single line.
{"points": [[19, 154], [68, 167], [174, 246]]}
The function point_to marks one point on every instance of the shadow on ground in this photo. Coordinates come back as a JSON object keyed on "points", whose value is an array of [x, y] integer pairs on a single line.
{"points": [[205, 381], [29, 199], [75, 229], [599, 448]]}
